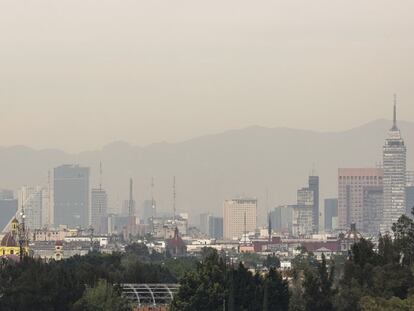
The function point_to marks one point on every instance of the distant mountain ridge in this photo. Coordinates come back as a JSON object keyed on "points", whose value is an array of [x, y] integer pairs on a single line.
{"points": [[208, 169]]}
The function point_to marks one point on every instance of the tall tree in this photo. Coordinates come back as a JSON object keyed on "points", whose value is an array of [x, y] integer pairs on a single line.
{"points": [[276, 292], [318, 291], [403, 231], [102, 297]]}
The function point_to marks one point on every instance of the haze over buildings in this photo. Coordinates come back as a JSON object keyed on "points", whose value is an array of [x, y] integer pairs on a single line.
{"points": [[212, 168], [239, 217], [71, 196]]}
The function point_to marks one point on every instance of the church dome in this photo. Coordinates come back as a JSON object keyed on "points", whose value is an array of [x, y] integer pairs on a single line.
{"points": [[8, 241]]}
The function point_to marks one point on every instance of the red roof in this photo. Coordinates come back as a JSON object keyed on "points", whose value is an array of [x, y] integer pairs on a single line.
{"points": [[313, 246], [176, 241]]}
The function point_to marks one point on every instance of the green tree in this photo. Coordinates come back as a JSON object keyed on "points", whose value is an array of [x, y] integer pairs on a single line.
{"points": [[386, 250], [403, 231], [369, 303], [102, 297], [276, 292], [317, 285], [271, 261], [203, 289]]}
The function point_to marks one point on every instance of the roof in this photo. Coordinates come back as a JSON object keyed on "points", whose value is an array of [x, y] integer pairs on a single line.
{"points": [[175, 242], [8, 241], [149, 294]]}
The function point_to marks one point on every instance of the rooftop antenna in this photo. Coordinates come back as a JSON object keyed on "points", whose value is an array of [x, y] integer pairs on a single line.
{"points": [[394, 124], [174, 199], [269, 229]]}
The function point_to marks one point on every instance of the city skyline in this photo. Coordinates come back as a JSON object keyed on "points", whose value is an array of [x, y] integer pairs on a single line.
{"points": [[364, 139], [206, 155]]}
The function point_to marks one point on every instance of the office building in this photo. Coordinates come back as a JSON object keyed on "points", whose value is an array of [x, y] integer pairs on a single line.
{"points": [[302, 218], [71, 196], [394, 162], [331, 212], [47, 207], [8, 207], [351, 185], [409, 194], [215, 227], [281, 218], [204, 222], [373, 205], [99, 210], [314, 187], [30, 199], [239, 216], [409, 199], [211, 226]]}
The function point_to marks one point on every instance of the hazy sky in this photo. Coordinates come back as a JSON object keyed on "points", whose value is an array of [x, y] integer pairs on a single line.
{"points": [[77, 74]]}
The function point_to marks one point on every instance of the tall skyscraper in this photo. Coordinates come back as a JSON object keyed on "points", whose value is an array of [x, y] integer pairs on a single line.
{"points": [[239, 215], [394, 161], [211, 226], [30, 198], [281, 218], [99, 209], [71, 196], [314, 187], [331, 211], [373, 206], [351, 185], [215, 227], [302, 219], [47, 204], [204, 222]]}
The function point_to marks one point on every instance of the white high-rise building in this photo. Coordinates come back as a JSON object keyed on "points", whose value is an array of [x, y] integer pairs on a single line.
{"points": [[99, 207], [239, 215], [30, 198], [302, 219], [394, 159]]}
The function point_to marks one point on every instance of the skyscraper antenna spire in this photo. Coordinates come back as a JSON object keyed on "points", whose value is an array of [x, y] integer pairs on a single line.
{"points": [[394, 125]]}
